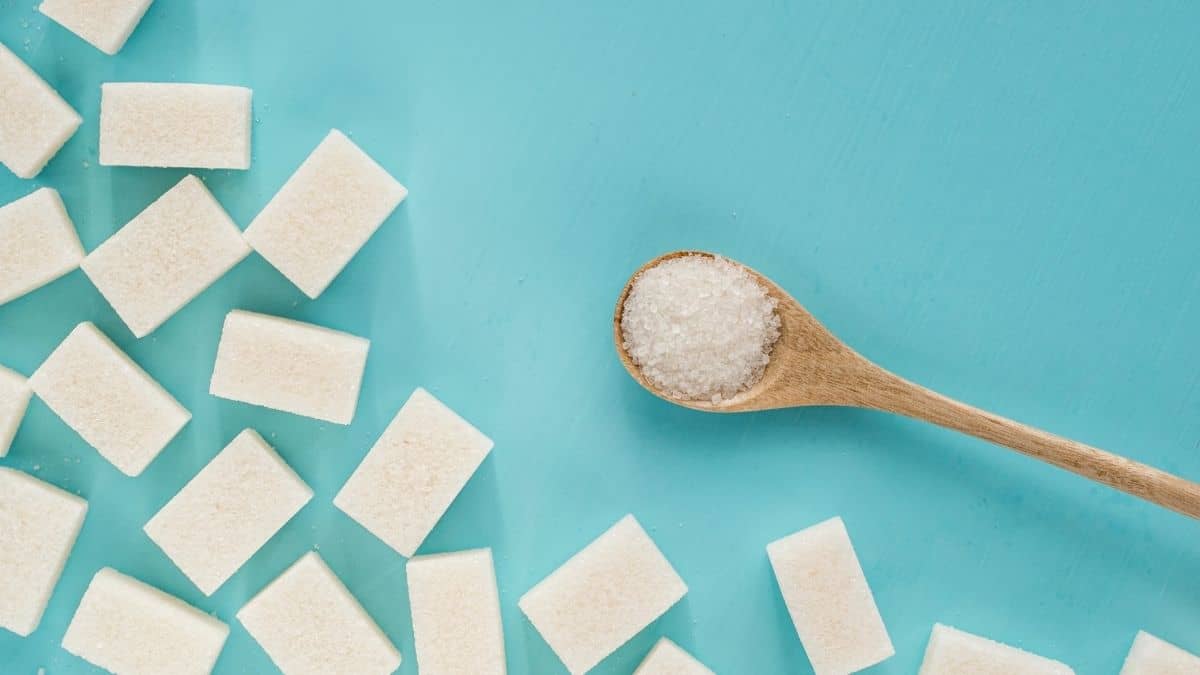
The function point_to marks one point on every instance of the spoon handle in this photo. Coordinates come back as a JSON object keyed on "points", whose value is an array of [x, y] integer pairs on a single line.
{"points": [[894, 394]]}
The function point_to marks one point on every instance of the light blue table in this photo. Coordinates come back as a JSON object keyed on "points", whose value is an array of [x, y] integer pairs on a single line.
{"points": [[998, 199]]}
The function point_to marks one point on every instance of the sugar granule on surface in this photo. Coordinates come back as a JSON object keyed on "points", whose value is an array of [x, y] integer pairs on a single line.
{"points": [[699, 327]]}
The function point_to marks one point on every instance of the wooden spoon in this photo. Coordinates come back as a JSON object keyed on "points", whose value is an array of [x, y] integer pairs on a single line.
{"points": [[809, 366]]}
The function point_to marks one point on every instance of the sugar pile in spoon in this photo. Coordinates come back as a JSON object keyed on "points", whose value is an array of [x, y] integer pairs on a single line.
{"points": [[699, 327]]}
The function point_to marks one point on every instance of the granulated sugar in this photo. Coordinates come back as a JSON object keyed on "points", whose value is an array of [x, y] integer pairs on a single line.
{"points": [[699, 327]]}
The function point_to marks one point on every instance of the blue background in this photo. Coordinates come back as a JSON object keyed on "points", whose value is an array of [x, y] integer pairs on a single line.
{"points": [[997, 199]]}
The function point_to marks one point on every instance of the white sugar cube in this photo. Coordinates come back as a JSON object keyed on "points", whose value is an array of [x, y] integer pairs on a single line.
{"points": [[166, 256], [828, 598], [14, 398], [603, 596], [227, 512], [668, 659], [127, 627], [309, 624], [34, 120], [1152, 656], [456, 614], [324, 213], [162, 124], [108, 400], [413, 473], [38, 243], [106, 24], [290, 366], [954, 652], [38, 526]]}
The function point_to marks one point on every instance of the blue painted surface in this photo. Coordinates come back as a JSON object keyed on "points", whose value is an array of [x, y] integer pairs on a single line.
{"points": [[997, 199]]}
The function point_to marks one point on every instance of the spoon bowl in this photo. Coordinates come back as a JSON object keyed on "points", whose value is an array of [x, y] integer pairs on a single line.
{"points": [[810, 366]]}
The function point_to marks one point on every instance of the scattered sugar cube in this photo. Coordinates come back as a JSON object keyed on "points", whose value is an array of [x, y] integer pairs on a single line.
{"points": [[106, 24], [108, 400], [38, 243], [413, 473], [34, 120], [14, 398], [290, 366], [456, 614], [38, 526], [127, 627], [828, 598], [954, 652], [668, 659], [166, 256], [309, 623], [603, 596], [324, 213], [227, 512], [1152, 656], [164, 124]]}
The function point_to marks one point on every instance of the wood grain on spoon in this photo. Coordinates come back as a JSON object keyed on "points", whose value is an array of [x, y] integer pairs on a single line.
{"points": [[809, 366]]}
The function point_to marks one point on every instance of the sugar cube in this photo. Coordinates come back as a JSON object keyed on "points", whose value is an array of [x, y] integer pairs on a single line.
{"points": [[14, 397], [38, 243], [106, 24], [1153, 656], [828, 598], [603, 596], [227, 512], [413, 472], [34, 120], [290, 366], [166, 124], [668, 659], [954, 652], [166, 256], [108, 400], [127, 627], [309, 624], [38, 526], [456, 613], [324, 213]]}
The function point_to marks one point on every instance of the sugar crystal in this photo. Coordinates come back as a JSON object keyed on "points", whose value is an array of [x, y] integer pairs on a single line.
{"points": [[699, 327]]}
